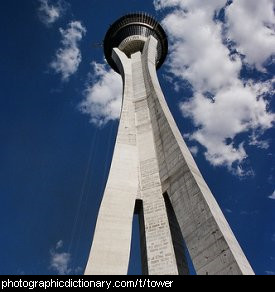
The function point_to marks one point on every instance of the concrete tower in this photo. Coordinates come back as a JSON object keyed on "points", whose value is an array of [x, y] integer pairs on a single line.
{"points": [[154, 174]]}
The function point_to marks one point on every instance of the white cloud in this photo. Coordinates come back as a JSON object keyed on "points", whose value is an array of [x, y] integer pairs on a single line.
{"points": [[258, 143], [103, 95], [197, 51], [68, 57], [223, 105], [59, 261], [49, 13], [59, 244], [251, 26], [235, 110], [272, 197], [271, 273], [194, 150], [190, 4]]}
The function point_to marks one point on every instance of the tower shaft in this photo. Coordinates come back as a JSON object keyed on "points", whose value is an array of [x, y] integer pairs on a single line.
{"points": [[153, 166]]}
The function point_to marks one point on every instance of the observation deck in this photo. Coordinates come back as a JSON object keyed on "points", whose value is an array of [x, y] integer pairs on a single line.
{"points": [[130, 32]]}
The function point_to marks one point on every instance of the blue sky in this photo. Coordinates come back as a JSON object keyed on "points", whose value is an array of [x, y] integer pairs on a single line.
{"points": [[57, 132]]}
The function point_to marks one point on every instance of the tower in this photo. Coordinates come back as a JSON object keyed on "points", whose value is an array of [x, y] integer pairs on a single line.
{"points": [[154, 175]]}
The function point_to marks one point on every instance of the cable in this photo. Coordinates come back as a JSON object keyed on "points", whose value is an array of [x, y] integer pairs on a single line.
{"points": [[86, 190], [82, 193]]}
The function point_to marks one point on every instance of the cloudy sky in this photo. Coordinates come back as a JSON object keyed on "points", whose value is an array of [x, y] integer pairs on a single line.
{"points": [[60, 104]]}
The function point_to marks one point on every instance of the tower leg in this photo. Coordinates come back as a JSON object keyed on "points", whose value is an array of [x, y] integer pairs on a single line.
{"points": [[112, 237], [161, 256], [212, 246]]}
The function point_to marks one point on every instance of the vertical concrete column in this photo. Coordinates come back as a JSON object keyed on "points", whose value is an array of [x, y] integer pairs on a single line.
{"points": [[112, 237], [161, 257], [212, 246]]}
